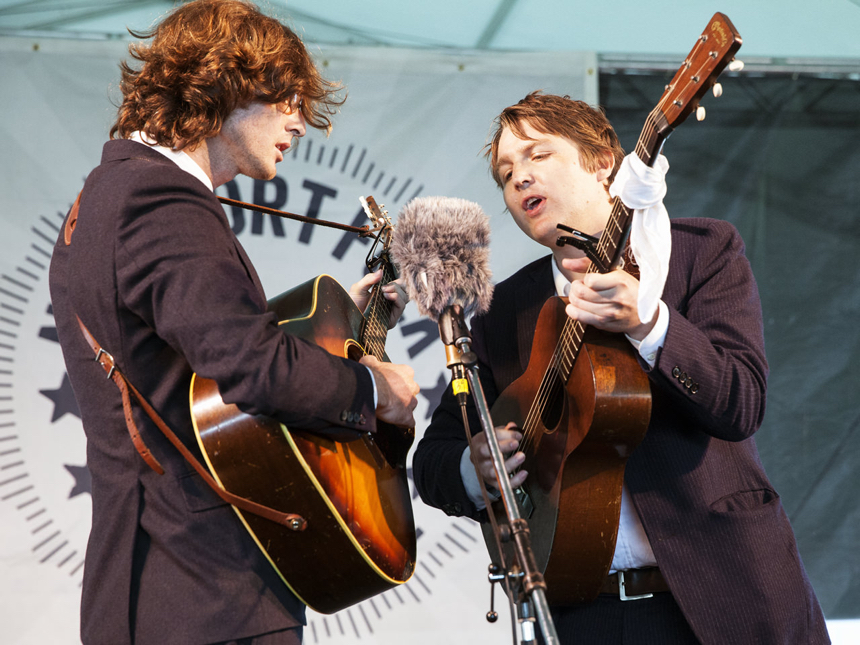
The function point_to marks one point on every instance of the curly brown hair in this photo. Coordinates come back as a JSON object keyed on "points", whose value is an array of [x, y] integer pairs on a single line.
{"points": [[209, 57], [562, 116]]}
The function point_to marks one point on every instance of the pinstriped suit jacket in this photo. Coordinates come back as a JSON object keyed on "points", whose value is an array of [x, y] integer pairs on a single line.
{"points": [[715, 523], [158, 277]]}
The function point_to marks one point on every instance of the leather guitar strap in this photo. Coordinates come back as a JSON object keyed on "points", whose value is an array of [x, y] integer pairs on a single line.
{"points": [[103, 358]]}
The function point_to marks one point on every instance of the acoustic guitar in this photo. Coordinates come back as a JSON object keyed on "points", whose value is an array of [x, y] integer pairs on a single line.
{"points": [[584, 403], [360, 536]]}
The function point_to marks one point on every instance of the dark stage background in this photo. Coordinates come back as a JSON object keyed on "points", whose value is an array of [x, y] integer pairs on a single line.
{"points": [[779, 157]]}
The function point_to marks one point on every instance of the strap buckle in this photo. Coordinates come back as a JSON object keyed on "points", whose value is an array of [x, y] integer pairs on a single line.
{"points": [[622, 595], [110, 359]]}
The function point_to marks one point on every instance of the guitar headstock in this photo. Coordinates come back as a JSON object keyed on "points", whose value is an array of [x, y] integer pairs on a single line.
{"points": [[384, 231], [714, 50]]}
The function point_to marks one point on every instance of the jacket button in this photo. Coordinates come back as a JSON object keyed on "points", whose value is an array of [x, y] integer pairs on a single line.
{"points": [[694, 388], [361, 420], [676, 372], [344, 415], [452, 509]]}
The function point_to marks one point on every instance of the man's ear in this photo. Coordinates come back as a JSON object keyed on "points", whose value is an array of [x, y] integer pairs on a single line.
{"points": [[605, 165]]}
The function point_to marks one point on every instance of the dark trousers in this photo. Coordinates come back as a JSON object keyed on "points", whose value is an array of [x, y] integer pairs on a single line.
{"points": [[610, 621]]}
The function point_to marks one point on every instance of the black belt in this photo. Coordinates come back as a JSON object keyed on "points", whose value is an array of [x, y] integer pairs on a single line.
{"points": [[635, 584]]}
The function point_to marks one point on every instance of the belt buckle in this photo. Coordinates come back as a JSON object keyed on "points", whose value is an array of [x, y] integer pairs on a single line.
{"points": [[621, 590]]}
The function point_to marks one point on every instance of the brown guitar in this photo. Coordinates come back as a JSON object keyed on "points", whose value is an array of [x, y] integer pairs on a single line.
{"points": [[583, 404], [360, 535]]}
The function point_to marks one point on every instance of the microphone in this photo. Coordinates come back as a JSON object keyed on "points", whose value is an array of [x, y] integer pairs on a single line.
{"points": [[441, 246]]}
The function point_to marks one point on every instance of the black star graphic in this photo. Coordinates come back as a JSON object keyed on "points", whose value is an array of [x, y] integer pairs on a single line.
{"points": [[434, 394], [83, 480], [64, 400], [49, 333]]}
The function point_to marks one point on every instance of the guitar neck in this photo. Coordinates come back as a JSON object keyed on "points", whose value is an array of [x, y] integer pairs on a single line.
{"points": [[698, 73], [375, 330], [613, 241]]}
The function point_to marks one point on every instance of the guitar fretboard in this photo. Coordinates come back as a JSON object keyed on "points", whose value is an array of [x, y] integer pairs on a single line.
{"points": [[378, 314]]}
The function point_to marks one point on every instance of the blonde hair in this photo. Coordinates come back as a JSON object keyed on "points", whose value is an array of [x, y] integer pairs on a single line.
{"points": [[577, 121]]}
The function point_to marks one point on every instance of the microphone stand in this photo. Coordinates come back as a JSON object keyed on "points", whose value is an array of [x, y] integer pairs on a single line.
{"points": [[455, 335]]}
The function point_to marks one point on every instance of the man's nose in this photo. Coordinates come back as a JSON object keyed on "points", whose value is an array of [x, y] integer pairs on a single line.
{"points": [[296, 124], [522, 179]]}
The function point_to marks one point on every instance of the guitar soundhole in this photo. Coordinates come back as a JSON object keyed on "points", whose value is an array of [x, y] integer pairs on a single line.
{"points": [[554, 404], [354, 352]]}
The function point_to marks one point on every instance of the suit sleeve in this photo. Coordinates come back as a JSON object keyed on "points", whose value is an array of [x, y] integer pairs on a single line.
{"points": [[436, 463], [713, 361], [179, 270]]}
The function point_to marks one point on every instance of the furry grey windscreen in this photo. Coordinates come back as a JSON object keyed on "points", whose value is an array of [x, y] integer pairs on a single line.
{"points": [[441, 245]]}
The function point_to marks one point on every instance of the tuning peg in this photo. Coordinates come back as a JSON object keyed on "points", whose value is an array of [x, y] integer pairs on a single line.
{"points": [[700, 113], [717, 90], [736, 65]]}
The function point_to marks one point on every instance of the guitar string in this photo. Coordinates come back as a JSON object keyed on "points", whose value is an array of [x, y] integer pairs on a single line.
{"points": [[376, 329], [380, 315]]}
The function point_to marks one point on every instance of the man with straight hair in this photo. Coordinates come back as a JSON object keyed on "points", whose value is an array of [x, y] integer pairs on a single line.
{"points": [[703, 540]]}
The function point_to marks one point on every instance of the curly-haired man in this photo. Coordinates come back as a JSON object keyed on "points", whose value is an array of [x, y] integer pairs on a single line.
{"points": [[154, 271]]}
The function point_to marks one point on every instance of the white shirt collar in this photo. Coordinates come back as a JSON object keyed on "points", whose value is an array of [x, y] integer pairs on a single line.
{"points": [[180, 158], [562, 284]]}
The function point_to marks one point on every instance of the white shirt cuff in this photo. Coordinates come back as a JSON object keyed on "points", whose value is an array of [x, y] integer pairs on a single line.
{"points": [[470, 481], [655, 339], [373, 380]]}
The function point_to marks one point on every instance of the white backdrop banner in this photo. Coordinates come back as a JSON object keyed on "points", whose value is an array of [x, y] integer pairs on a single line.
{"points": [[414, 125]]}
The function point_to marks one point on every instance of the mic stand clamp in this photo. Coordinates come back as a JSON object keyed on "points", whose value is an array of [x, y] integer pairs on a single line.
{"points": [[455, 335]]}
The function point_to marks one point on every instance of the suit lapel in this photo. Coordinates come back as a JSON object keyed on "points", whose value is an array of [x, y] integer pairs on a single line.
{"points": [[536, 289], [252, 272]]}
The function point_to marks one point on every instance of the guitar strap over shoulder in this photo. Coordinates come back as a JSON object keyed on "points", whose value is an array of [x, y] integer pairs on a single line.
{"points": [[105, 359]]}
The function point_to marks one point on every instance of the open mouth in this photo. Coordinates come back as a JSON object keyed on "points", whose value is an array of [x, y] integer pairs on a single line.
{"points": [[283, 147], [531, 204]]}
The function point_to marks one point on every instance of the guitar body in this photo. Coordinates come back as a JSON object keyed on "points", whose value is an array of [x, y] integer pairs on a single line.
{"points": [[576, 453], [360, 535]]}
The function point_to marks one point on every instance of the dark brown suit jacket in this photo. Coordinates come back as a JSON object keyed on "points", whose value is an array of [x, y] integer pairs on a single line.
{"points": [[161, 281], [717, 527]]}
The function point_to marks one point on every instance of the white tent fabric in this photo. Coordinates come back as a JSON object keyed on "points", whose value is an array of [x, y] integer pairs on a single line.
{"points": [[777, 31]]}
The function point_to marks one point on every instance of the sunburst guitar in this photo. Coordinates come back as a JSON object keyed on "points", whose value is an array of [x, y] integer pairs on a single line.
{"points": [[360, 536]]}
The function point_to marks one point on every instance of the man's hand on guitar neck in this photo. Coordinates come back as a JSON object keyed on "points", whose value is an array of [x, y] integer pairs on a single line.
{"points": [[394, 291], [608, 301], [395, 389]]}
